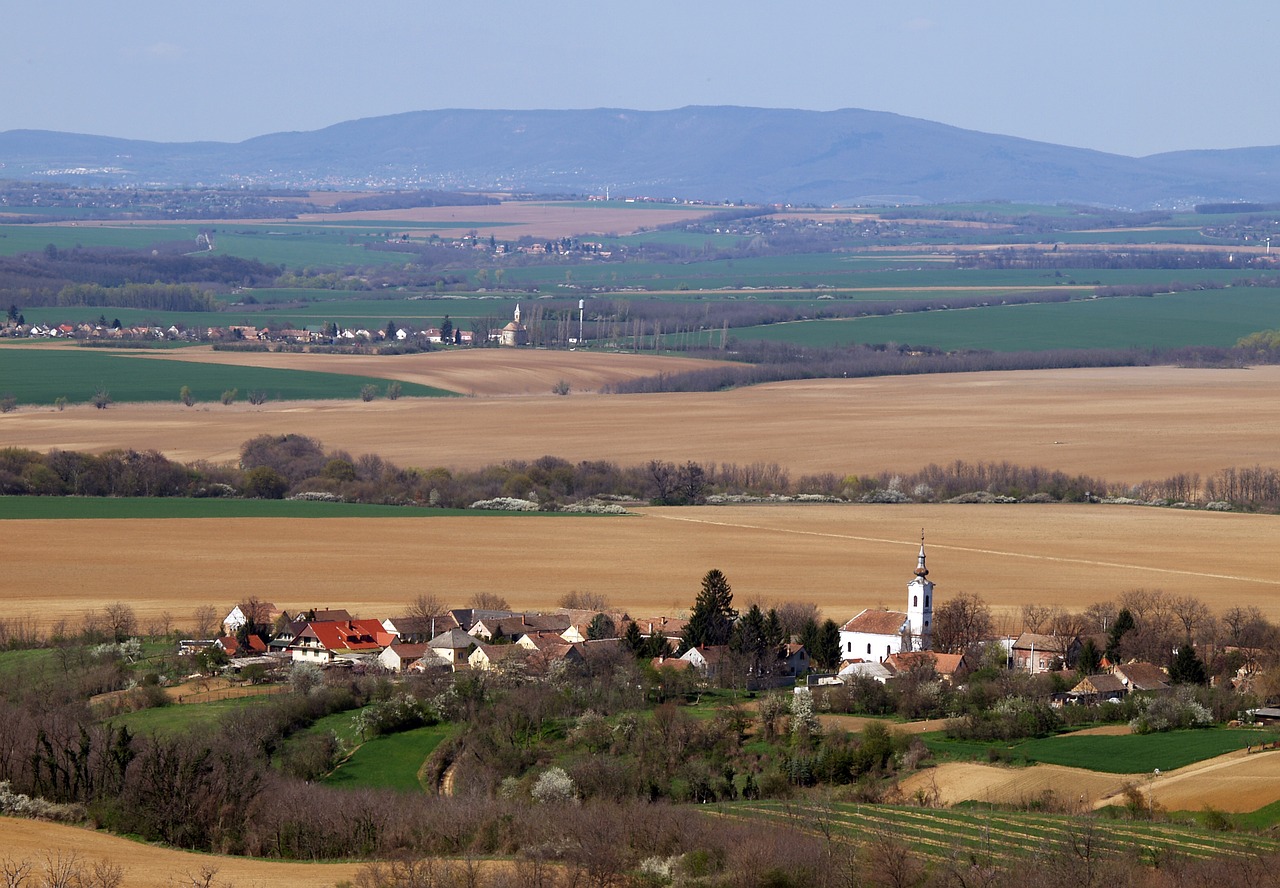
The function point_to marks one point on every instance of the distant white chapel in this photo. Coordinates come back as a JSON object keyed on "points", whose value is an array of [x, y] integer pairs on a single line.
{"points": [[875, 634]]}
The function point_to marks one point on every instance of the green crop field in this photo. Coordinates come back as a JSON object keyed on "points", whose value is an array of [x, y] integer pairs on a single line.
{"points": [[39, 376], [1125, 754], [995, 836], [390, 762], [1210, 317], [1140, 753]]}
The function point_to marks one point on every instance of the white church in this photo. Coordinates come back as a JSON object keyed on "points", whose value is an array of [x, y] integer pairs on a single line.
{"points": [[876, 633]]}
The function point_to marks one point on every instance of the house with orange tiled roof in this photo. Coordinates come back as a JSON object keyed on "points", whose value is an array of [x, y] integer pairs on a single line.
{"points": [[324, 642]]}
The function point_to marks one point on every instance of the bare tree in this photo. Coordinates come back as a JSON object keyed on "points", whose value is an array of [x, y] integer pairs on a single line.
{"points": [[578, 600], [1100, 615], [205, 618], [1035, 616], [492, 601], [960, 623], [1191, 612], [426, 605], [794, 616]]}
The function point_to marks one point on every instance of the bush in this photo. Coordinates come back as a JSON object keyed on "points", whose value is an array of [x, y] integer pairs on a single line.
{"points": [[257, 396], [554, 786], [368, 392], [229, 396], [8, 402]]}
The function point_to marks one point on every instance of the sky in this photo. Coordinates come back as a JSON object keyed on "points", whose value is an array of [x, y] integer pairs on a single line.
{"points": [[1132, 77]]}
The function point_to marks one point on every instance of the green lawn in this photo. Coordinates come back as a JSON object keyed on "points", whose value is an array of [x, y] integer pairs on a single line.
{"points": [[177, 719], [39, 376], [390, 762]]}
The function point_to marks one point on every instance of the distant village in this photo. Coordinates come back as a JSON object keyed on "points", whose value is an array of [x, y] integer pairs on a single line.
{"points": [[876, 644]]}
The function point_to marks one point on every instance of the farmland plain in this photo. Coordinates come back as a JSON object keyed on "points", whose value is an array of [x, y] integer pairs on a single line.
{"points": [[842, 557], [1116, 424]]}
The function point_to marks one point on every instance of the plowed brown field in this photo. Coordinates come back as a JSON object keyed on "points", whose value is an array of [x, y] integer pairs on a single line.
{"points": [[147, 866], [842, 557], [1125, 424]]}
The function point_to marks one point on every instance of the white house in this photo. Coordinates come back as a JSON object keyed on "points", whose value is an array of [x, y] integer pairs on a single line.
{"points": [[876, 633]]}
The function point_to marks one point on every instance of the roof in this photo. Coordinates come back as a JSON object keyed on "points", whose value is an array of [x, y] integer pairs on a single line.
{"points": [[876, 621], [455, 639], [943, 664], [345, 635], [231, 645], [410, 651], [869, 670], [1142, 676], [1102, 683], [1054, 644]]}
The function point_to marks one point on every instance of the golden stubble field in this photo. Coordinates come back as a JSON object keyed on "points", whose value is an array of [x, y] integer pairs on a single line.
{"points": [[149, 866], [1118, 424], [843, 557]]}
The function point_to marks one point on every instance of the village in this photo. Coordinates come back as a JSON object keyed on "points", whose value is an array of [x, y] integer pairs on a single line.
{"points": [[876, 644]]}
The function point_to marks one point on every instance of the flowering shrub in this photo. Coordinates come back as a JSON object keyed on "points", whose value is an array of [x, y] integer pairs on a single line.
{"points": [[15, 804], [554, 786], [1156, 714], [506, 504]]}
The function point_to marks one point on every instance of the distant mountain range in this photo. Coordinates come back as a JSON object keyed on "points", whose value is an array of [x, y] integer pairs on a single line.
{"points": [[758, 155]]}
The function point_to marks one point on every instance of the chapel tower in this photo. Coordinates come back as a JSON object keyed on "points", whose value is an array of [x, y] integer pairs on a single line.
{"points": [[920, 604]]}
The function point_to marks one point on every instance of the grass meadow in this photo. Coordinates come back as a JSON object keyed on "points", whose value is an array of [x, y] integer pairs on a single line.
{"points": [[390, 762], [40, 376]]}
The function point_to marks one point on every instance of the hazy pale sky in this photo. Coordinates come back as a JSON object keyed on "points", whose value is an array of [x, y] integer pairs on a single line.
{"points": [[1128, 76]]}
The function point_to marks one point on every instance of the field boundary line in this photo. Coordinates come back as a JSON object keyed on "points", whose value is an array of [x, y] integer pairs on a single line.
{"points": [[976, 551]]}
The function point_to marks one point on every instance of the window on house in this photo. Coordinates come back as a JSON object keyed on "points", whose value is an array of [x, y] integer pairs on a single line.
{"points": [[868, 647], [926, 601], [915, 600]]}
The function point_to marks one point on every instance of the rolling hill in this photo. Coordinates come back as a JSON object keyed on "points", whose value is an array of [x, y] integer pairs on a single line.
{"points": [[713, 153]]}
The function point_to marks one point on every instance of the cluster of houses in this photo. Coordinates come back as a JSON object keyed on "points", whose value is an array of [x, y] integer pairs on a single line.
{"points": [[513, 334], [456, 640]]}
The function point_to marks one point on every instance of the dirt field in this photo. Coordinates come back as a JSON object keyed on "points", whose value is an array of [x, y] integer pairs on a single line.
{"points": [[479, 372], [1122, 424], [146, 866], [1237, 783], [844, 558], [955, 782]]}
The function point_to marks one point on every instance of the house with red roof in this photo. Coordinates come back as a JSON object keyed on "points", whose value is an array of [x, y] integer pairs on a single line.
{"points": [[327, 641]]}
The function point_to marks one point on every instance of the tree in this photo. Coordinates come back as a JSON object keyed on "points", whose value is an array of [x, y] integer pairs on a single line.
{"points": [[1123, 625], [264, 482], [601, 627], [229, 396], [1187, 667], [393, 390], [101, 398], [576, 599], [692, 482], [185, 396], [959, 623], [712, 618], [205, 618], [392, 331], [121, 621], [368, 391], [446, 330], [491, 601], [426, 605], [1090, 658]]}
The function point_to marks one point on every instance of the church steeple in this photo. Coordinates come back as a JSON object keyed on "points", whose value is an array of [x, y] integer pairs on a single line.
{"points": [[920, 603]]}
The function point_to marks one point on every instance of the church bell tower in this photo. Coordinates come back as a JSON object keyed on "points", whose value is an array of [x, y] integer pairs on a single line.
{"points": [[920, 604]]}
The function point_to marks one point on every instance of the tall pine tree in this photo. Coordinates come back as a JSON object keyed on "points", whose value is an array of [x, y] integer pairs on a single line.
{"points": [[712, 618]]}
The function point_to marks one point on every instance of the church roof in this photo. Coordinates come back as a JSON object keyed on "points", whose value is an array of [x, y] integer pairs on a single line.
{"points": [[874, 621]]}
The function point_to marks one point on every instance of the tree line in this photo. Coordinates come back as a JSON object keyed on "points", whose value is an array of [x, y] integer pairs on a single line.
{"points": [[276, 466]]}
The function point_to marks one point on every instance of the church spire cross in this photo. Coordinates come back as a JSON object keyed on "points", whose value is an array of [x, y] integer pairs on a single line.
{"points": [[921, 570]]}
